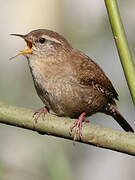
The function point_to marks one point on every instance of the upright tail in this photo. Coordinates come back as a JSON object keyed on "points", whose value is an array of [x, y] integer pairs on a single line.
{"points": [[112, 110]]}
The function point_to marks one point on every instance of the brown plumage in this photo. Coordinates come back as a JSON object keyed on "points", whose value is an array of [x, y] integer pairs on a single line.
{"points": [[68, 82]]}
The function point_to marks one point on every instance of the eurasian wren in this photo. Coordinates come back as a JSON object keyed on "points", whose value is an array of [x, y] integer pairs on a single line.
{"points": [[68, 82]]}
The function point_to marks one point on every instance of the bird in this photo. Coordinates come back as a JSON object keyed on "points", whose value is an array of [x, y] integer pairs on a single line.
{"points": [[68, 82]]}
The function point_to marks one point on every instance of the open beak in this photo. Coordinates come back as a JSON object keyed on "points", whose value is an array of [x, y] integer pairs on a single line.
{"points": [[28, 48]]}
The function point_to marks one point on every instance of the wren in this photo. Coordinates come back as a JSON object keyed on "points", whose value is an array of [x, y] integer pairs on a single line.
{"points": [[67, 81]]}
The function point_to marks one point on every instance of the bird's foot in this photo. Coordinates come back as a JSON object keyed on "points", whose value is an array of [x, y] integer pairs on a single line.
{"points": [[38, 112], [78, 126]]}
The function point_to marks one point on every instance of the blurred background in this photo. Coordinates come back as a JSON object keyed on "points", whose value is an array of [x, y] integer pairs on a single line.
{"points": [[26, 155]]}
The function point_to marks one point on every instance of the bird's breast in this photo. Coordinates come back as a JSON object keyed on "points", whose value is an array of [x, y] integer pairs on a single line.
{"points": [[52, 83], [57, 89]]}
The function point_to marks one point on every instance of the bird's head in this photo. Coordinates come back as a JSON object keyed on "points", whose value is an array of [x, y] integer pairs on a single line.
{"points": [[43, 43]]}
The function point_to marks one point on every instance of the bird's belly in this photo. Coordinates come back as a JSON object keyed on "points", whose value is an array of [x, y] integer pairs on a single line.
{"points": [[65, 99]]}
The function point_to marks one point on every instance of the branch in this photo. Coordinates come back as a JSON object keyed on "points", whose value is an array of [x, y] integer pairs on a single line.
{"points": [[59, 126], [122, 44]]}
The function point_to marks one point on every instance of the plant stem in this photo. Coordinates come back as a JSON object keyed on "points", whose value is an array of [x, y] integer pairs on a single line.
{"points": [[59, 126], [122, 44]]}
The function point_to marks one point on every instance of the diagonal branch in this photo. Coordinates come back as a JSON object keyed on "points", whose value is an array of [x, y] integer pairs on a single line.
{"points": [[59, 126], [122, 44]]}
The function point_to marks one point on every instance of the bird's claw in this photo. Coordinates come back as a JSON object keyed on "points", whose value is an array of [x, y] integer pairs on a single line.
{"points": [[78, 127], [38, 113]]}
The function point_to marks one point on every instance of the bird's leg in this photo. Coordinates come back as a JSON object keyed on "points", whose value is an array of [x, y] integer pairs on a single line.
{"points": [[78, 125], [38, 112]]}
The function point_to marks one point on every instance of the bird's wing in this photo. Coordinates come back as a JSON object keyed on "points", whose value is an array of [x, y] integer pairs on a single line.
{"points": [[88, 73]]}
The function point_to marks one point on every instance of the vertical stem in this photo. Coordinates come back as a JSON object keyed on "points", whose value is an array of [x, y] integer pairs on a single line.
{"points": [[122, 44]]}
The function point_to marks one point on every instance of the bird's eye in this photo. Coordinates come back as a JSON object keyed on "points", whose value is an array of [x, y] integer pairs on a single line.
{"points": [[42, 40]]}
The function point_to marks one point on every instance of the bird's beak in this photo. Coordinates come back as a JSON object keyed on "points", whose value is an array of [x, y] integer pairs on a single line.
{"points": [[28, 48]]}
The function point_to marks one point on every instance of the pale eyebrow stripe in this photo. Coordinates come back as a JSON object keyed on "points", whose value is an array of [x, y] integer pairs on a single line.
{"points": [[51, 39]]}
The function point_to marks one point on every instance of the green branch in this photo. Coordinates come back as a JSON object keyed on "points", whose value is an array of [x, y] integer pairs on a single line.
{"points": [[59, 126], [122, 44]]}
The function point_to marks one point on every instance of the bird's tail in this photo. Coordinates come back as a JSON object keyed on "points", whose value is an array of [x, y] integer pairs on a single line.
{"points": [[112, 110]]}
